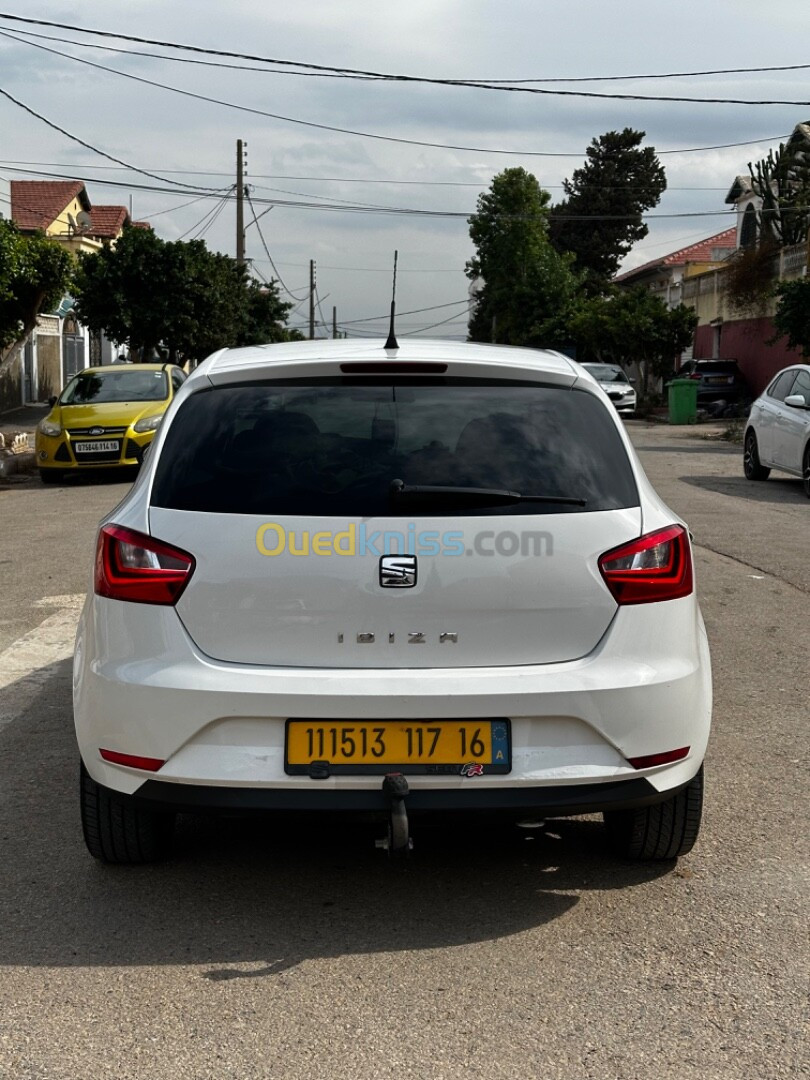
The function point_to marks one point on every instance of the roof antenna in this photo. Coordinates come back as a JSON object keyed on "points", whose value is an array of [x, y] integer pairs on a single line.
{"points": [[392, 342]]}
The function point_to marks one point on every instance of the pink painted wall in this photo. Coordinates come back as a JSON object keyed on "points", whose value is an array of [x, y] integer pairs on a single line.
{"points": [[744, 341]]}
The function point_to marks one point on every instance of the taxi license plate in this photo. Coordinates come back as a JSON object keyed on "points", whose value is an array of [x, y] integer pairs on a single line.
{"points": [[431, 747], [109, 446]]}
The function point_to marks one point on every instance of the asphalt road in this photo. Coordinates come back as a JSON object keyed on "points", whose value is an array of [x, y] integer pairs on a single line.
{"points": [[262, 953]]}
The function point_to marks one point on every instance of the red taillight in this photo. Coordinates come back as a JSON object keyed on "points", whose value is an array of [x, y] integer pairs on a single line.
{"points": [[132, 566], [655, 567], [666, 758], [134, 761]]}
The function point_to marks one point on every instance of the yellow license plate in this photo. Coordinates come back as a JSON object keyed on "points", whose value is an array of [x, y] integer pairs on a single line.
{"points": [[470, 747]]}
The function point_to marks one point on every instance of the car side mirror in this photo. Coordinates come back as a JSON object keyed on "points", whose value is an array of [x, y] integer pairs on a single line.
{"points": [[52, 401], [796, 401]]}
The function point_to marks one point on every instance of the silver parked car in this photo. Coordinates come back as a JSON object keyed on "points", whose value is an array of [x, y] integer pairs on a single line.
{"points": [[616, 385], [778, 431]]}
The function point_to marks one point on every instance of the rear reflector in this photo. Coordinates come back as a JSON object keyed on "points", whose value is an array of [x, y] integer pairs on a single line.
{"points": [[659, 759], [655, 567], [135, 567], [148, 764], [394, 367]]}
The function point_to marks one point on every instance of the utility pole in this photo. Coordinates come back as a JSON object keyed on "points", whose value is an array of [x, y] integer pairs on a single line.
{"points": [[241, 156], [334, 322], [311, 299]]}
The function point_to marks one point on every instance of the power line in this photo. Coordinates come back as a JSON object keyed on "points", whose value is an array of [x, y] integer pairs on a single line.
{"points": [[385, 180], [206, 221], [340, 130], [95, 149], [267, 252], [377, 269], [488, 84], [410, 333], [413, 311], [171, 210], [396, 211], [342, 73]]}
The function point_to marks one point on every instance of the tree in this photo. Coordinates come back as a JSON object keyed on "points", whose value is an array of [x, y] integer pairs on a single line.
{"points": [[265, 316], [523, 287], [782, 182], [792, 316], [633, 326], [602, 217], [176, 295], [34, 273]]}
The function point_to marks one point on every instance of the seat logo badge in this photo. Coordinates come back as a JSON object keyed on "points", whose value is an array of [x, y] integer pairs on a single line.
{"points": [[397, 571], [472, 768]]}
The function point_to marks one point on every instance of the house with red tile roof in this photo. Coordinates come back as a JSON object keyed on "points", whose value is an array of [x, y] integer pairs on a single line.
{"points": [[663, 276], [62, 209], [59, 208], [60, 346]]}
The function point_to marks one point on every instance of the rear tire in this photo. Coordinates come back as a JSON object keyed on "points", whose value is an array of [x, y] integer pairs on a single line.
{"points": [[50, 476], [662, 831], [751, 466], [117, 830]]}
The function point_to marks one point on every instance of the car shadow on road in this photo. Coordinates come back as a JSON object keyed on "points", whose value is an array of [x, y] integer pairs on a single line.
{"points": [[777, 489], [124, 474], [250, 897], [708, 448]]}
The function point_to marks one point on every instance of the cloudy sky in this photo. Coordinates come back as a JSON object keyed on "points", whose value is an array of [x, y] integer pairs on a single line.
{"points": [[367, 182]]}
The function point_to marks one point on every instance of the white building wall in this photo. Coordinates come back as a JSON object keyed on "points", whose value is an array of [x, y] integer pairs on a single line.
{"points": [[5, 198]]}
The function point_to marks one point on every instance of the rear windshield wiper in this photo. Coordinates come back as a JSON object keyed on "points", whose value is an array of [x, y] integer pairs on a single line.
{"points": [[486, 496]]}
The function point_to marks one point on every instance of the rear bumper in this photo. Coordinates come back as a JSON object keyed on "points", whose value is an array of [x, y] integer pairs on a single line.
{"points": [[141, 687], [566, 800]]}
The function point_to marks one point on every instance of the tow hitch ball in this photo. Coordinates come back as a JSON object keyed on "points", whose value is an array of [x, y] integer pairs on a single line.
{"points": [[397, 842]]}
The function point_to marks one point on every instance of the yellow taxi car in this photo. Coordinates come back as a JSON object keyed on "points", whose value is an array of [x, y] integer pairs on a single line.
{"points": [[105, 417]]}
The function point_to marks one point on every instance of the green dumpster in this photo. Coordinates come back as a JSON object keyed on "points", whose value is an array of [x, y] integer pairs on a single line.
{"points": [[682, 401]]}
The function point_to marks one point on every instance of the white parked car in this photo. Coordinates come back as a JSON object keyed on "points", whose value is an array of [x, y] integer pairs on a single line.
{"points": [[777, 434], [616, 385], [397, 583]]}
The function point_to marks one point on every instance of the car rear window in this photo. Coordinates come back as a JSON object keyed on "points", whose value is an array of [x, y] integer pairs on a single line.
{"points": [[333, 447], [706, 367]]}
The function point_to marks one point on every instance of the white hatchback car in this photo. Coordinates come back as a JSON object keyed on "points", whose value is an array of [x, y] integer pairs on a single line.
{"points": [[396, 582], [777, 434]]}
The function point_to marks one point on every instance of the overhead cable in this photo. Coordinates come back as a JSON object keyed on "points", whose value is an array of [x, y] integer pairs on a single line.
{"points": [[331, 127], [267, 253], [95, 149], [397, 211], [485, 84]]}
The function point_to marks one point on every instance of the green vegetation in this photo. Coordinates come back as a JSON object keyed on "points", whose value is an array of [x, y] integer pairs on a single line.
{"points": [[603, 214], [792, 317], [34, 273], [177, 296]]}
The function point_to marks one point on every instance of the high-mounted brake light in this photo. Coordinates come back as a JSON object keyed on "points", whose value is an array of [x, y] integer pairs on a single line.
{"points": [[655, 567], [135, 567], [394, 367]]}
